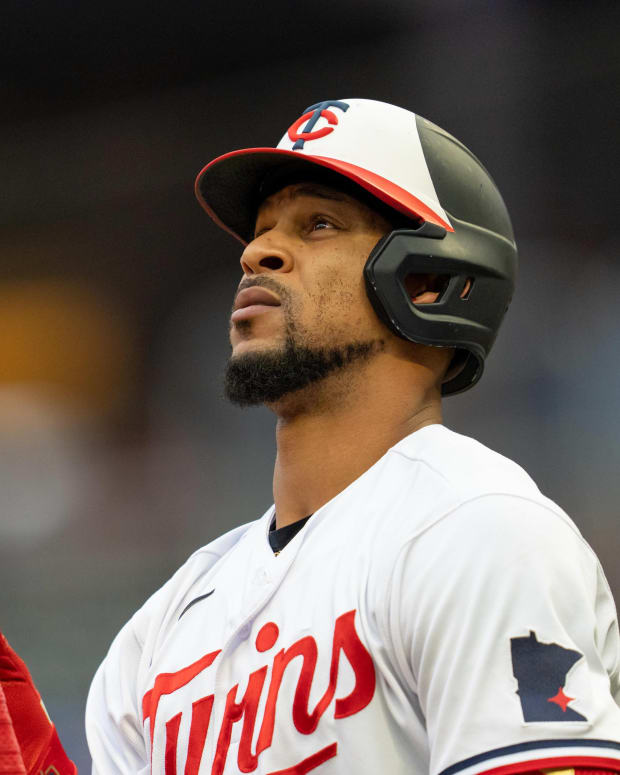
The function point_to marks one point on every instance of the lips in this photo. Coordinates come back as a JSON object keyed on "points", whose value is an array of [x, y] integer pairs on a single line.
{"points": [[251, 296], [251, 302]]}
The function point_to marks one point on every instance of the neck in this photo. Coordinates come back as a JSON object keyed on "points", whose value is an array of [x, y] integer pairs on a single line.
{"points": [[330, 433]]}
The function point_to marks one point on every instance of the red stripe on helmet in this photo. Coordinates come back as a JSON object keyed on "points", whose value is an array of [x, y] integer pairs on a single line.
{"points": [[389, 193], [385, 190]]}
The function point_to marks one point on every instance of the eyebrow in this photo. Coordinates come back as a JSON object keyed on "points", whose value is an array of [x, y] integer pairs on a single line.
{"points": [[314, 189], [310, 189]]}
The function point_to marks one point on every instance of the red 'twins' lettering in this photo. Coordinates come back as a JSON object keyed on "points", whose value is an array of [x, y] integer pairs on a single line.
{"points": [[305, 719]]}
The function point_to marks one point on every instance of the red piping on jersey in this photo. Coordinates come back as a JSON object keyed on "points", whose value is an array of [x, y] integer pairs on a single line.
{"points": [[572, 762]]}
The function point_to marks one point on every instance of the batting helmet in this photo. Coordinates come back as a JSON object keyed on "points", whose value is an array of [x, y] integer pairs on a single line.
{"points": [[456, 223]]}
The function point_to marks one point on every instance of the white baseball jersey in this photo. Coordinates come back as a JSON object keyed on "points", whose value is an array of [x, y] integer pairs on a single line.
{"points": [[439, 616]]}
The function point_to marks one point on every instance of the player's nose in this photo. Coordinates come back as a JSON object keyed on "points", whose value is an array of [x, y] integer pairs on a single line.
{"points": [[265, 254]]}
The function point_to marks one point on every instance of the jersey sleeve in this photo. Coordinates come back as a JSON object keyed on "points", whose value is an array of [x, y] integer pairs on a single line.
{"points": [[115, 728], [504, 626], [113, 723]]}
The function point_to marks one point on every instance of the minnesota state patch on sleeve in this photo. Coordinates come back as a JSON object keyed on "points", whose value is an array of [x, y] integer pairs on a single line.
{"points": [[541, 670]]}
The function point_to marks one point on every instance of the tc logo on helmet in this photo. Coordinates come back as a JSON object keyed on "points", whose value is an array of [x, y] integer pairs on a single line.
{"points": [[312, 115]]}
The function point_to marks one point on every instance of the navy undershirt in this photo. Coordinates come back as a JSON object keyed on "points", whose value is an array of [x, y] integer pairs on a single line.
{"points": [[279, 538]]}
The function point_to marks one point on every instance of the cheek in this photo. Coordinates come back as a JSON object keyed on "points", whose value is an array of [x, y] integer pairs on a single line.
{"points": [[338, 297]]}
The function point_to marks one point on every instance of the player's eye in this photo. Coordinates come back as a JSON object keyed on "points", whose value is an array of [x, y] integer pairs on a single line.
{"points": [[320, 223], [260, 231]]}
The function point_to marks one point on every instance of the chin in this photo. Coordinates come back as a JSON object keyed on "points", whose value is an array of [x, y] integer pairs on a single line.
{"points": [[244, 346]]}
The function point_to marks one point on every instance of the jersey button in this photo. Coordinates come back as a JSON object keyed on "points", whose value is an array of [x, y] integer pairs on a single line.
{"points": [[261, 577]]}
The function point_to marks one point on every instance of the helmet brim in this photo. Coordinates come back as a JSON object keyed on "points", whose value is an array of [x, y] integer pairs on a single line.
{"points": [[228, 188]]}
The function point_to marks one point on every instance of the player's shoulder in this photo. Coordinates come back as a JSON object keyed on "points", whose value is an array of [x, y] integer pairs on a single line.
{"points": [[131, 653], [450, 473], [190, 580], [465, 465], [472, 502], [213, 551]]}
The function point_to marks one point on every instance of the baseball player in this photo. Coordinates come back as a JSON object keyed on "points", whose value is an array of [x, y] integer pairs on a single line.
{"points": [[411, 603]]}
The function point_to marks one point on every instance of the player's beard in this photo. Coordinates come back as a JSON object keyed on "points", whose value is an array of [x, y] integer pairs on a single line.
{"points": [[266, 376]]}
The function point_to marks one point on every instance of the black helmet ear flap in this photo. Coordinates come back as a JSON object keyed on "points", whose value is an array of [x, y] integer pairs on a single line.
{"points": [[425, 229], [375, 272], [466, 320]]}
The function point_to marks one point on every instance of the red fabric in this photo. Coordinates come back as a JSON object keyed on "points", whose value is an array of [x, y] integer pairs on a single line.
{"points": [[311, 762], [583, 771], [41, 749], [582, 765], [11, 762]]}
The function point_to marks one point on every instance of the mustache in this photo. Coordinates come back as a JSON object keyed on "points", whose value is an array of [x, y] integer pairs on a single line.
{"points": [[264, 281]]}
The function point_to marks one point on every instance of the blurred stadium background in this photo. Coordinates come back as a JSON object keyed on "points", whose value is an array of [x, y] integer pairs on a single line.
{"points": [[118, 454]]}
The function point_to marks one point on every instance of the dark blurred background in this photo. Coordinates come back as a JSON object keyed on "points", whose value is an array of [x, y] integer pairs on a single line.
{"points": [[119, 456]]}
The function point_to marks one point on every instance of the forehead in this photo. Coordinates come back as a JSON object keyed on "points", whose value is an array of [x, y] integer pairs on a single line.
{"points": [[307, 191]]}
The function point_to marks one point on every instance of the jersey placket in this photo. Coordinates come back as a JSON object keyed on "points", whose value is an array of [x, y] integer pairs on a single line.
{"points": [[264, 581]]}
